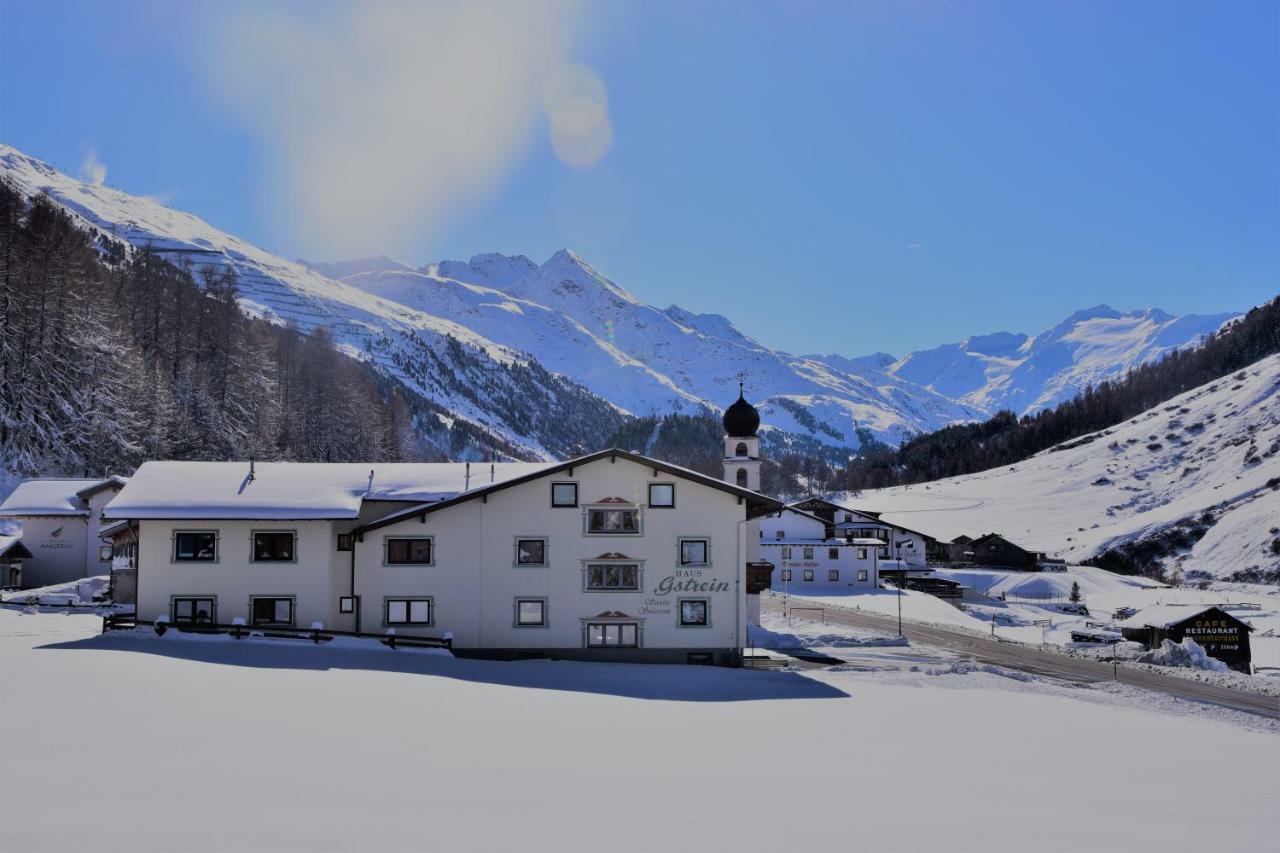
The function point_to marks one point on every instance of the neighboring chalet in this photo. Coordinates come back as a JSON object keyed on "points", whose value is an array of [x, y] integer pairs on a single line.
{"points": [[1222, 635], [996, 551], [810, 561], [59, 521], [898, 543]]}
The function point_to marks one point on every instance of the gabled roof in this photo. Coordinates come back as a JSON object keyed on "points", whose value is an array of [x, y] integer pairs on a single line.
{"points": [[12, 547], [985, 538], [866, 513], [47, 496], [1166, 615], [757, 503], [112, 482]]}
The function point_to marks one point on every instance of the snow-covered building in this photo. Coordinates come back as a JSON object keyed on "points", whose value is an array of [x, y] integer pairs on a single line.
{"points": [[610, 555], [901, 547], [12, 555], [58, 522], [808, 559]]}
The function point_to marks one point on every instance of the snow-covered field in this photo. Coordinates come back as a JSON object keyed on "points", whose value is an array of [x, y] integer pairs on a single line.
{"points": [[132, 742], [1216, 447]]}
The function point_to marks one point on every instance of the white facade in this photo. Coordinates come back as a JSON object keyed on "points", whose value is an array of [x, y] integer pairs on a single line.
{"points": [[742, 461], [58, 522], [502, 568], [900, 544], [808, 561]]}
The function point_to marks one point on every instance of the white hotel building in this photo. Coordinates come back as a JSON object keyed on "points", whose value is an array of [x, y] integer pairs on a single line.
{"points": [[612, 555]]}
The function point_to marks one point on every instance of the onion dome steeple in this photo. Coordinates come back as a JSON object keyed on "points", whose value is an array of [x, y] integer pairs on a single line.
{"points": [[741, 420]]}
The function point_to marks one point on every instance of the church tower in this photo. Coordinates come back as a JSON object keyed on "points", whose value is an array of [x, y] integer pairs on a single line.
{"points": [[742, 444]]}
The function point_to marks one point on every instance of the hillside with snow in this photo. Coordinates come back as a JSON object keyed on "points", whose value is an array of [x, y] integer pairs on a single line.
{"points": [[1198, 476]]}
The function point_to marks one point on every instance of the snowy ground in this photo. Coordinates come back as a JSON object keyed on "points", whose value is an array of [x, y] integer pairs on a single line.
{"points": [[1102, 592], [138, 743]]}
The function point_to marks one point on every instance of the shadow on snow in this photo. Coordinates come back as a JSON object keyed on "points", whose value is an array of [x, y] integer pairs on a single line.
{"points": [[634, 681]]}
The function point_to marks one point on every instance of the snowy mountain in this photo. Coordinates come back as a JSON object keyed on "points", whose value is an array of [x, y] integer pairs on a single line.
{"points": [[1025, 373], [504, 346], [482, 391], [1198, 475]]}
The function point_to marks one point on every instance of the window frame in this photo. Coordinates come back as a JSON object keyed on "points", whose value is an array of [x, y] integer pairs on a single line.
{"points": [[586, 575], [293, 611], [785, 577], [217, 546], [786, 552], [546, 552], [833, 553], [807, 552], [808, 575], [706, 551], [173, 609], [833, 575], [388, 600], [253, 544], [862, 553], [604, 624], [386, 550], [588, 509], [662, 484], [543, 601], [346, 542], [706, 612], [863, 576], [552, 495]]}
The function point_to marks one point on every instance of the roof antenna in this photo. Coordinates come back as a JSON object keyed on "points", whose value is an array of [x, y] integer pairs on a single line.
{"points": [[369, 488], [491, 472], [466, 482], [251, 474]]}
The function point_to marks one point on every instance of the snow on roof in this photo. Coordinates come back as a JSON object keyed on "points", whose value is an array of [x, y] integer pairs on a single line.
{"points": [[14, 544], [47, 496], [831, 543], [295, 490], [1164, 615]]}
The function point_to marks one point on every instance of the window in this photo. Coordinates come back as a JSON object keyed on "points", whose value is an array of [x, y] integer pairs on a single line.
{"points": [[195, 610], [271, 611], [613, 634], [782, 534], [741, 449], [833, 553], [273, 546], [531, 552], [104, 553], [833, 574], [531, 612], [564, 494], [613, 521], [786, 552], [808, 574], [862, 553], [786, 574], [808, 553], [347, 604], [662, 495], [613, 576], [848, 516], [695, 613], [742, 478], [407, 611], [862, 574], [195, 546], [694, 552], [346, 541], [409, 552]]}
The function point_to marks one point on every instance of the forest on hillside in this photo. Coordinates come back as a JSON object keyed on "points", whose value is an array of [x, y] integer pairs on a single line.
{"points": [[110, 357]]}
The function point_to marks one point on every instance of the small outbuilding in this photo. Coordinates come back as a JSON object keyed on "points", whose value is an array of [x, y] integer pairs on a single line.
{"points": [[12, 553], [1223, 636]]}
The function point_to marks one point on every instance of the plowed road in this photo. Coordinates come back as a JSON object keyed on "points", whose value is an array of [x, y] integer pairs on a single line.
{"points": [[1030, 659]]}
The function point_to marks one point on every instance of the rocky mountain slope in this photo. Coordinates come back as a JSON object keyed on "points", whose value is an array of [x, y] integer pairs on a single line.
{"points": [[1193, 484]]}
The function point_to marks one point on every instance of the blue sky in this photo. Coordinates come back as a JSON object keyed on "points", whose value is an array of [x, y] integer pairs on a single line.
{"points": [[834, 177]]}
